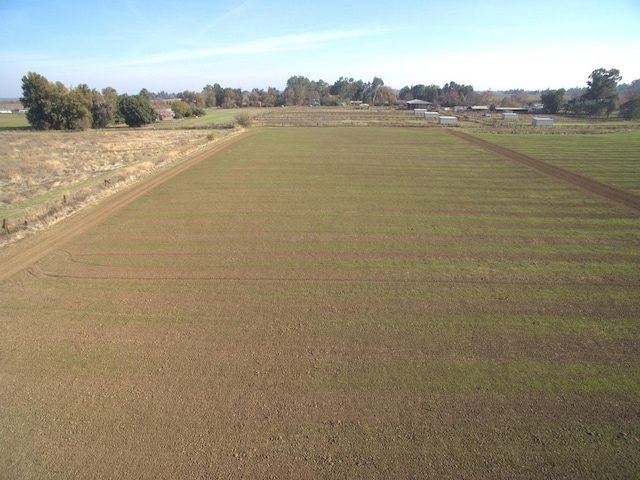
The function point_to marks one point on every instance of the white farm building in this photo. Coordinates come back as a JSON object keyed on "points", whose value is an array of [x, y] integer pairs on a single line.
{"points": [[542, 122], [420, 104], [431, 115], [448, 120], [509, 116]]}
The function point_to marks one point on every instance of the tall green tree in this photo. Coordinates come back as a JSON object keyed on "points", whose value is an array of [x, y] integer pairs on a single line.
{"points": [[602, 83], [348, 89], [553, 99], [453, 94], [111, 95], [193, 99], [631, 108], [136, 110], [101, 110], [78, 107], [38, 99], [626, 89], [209, 96], [405, 93], [601, 96], [58, 94], [51, 106], [297, 90], [232, 98], [385, 96], [371, 89], [219, 94], [270, 97]]}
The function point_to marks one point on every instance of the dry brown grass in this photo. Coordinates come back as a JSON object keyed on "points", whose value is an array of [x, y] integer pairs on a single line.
{"points": [[47, 175], [36, 162]]}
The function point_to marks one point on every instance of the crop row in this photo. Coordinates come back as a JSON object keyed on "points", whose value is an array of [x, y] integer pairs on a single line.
{"points": [[610, 158], [337, 302]]}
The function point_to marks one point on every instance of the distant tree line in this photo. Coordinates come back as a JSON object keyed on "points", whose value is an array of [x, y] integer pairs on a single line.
{"points": [[298, 91], [52, 106], [451, 95], [601, 97]]}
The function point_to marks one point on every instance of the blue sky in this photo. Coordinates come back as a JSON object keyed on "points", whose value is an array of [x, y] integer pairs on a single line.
{"points": [[176, 46]]}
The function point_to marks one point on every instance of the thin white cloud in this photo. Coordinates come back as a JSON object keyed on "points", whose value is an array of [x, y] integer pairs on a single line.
{"points": [[281, 43], [243, 7]]}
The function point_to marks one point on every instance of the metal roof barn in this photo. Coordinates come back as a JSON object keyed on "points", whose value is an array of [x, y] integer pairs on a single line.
{"points": [[418, 103]]}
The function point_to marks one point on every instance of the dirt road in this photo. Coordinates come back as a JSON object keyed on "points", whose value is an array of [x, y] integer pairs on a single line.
{"points": [[26, 252], [602, 190]]}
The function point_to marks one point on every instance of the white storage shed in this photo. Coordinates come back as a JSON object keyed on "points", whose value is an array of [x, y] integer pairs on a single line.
{"points": [[431, 115], [509, 116], [542, 122], [448, 120], [418, 112]]}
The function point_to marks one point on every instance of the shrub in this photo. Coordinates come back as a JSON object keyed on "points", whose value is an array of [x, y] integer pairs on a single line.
{"points": [[631, 108], [243, 120], [181, 109]]}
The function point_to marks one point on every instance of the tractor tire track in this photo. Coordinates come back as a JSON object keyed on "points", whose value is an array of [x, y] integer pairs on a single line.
{"points": [[594, 187], [21, 255]]}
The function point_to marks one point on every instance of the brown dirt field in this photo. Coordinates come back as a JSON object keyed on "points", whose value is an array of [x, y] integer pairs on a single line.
{"points": [[602, 190], [359, 303]]}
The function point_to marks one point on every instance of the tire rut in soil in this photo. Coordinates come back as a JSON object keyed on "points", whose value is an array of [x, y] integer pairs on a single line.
{"points": [[599, 189]]}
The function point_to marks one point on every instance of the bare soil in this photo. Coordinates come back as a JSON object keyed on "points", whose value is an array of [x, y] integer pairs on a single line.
{"points": [[327, 303]]}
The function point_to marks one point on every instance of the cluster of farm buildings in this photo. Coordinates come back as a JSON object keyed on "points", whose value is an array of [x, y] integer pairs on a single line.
{"points": [[423, 108]]}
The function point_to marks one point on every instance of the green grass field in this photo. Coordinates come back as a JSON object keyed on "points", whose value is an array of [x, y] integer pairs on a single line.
{"points": [[612, 158], [214, 117], [13, 121], [332, 303]]}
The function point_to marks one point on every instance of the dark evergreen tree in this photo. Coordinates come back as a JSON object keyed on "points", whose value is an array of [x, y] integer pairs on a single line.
{"points": [[631, 108], [552, 100], [136, 110]]}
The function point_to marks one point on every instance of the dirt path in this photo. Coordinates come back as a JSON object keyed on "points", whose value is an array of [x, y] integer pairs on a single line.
{"points": [[600, 189], [21, 255]]}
